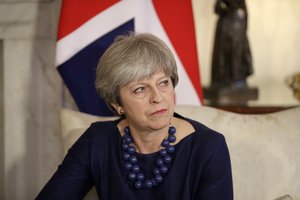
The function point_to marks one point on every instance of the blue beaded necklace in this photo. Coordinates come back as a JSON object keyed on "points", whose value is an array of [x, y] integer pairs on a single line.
{"points": [[162, 163]]}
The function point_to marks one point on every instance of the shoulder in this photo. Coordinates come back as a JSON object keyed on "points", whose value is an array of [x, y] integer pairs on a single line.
{"points": [[98, 137], [100, 131], [102, 124], [205, 132], [206, 145], [208, 137], [210, 145], [204, 139], [201, 131]]}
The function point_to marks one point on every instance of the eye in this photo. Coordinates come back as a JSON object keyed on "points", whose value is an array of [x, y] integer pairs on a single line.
{"points": [[164, 83], [139, 90]]}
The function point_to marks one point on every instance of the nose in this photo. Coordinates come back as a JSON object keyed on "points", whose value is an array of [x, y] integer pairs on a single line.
{"points": [[157, 96]]}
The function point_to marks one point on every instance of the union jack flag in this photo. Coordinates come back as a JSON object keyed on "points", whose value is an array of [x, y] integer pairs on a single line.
{"points": [[88, 27]]}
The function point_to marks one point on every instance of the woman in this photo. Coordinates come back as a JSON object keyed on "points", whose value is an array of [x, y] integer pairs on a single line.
{"points": [[150, 152]]}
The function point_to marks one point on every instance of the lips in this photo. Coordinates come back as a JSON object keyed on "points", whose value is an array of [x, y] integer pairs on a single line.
{"points": [[159, 112]]}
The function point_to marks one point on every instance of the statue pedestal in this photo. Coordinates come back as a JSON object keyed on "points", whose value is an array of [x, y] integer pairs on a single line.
{"points": [[229, 96]]}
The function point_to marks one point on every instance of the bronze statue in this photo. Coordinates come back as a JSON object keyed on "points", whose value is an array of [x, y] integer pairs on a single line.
{"points": [[232, 61]]}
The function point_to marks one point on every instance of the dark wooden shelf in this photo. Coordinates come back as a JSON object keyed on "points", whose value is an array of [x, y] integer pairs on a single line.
{"points": [[253, 109]]}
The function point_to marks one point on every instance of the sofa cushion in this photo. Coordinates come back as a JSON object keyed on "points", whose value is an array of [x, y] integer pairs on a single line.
{"points": [[264, 148]]}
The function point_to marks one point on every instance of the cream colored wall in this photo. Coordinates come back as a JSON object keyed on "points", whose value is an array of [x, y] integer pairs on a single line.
{"points": [[32, 92], [273, 31]]}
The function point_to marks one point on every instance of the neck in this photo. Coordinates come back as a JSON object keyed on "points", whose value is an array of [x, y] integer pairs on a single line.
{"points": [[148, 141], [162, 163]]}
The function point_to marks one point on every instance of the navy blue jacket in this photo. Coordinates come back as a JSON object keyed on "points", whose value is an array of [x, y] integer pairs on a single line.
{"points": [[200, 170]]}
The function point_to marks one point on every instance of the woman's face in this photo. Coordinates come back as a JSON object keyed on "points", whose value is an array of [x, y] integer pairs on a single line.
{"points": [[148, 104]]}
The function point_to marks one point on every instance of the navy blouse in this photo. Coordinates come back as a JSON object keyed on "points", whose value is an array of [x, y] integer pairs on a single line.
{"points": [[200, 170]]}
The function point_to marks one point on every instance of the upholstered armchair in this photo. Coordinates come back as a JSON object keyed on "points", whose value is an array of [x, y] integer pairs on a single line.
{"points": [[264, 148]]}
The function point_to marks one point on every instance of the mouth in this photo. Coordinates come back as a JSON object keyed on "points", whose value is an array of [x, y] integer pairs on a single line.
{"points": [[159, 112]]}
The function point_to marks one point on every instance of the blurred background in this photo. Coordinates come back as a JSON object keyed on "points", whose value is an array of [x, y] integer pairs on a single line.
{"points": [[32, 92]]}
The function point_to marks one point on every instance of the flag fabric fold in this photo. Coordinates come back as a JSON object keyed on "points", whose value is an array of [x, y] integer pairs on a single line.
{"points": [[87, 28]]}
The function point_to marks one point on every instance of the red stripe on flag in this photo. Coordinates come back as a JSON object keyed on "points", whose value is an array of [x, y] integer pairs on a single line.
{"points": [[177, 20], [74, 13]]}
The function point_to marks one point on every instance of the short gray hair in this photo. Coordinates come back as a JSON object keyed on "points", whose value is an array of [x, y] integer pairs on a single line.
{"points": [[130, 58]]}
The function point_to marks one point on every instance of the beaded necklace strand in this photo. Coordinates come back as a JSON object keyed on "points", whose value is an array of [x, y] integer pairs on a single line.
{"points": [[162, 163]]}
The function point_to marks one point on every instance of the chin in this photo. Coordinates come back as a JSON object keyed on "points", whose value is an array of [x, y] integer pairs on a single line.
{"points": [[161, 123]]}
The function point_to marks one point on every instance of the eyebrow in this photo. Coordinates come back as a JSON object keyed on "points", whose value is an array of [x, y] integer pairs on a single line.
{"points": [[140, 81]]}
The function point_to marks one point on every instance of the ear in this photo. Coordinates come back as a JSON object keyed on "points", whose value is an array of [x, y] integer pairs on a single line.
{"points": [[119, 109]]}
